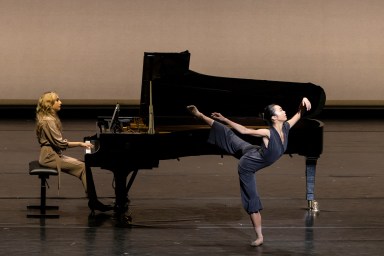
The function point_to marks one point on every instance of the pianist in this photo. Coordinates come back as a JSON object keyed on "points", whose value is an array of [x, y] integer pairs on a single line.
{"points": [[49, 136], [253, 158]]}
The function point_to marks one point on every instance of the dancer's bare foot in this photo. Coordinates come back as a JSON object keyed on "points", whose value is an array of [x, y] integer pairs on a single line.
{"points": [[257, 242], [194, 111]]}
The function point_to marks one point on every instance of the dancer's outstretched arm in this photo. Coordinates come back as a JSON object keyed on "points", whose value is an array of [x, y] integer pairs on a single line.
{"points": [[241, 128], [305, 105], [238, 127]]}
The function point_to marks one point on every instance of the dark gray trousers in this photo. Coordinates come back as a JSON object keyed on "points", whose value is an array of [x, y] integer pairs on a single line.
{"points": [[250, 161]]}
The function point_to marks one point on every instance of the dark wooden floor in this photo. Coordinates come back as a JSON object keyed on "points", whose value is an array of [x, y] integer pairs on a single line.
{"points": [[192, 206]]}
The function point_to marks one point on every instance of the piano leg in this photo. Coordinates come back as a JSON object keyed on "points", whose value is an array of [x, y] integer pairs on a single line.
{"points": [[310, 174], [121, 194], [131, 180]]}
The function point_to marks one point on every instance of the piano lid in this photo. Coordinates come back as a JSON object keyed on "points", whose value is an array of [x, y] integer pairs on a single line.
{"points": [[174, 87]]}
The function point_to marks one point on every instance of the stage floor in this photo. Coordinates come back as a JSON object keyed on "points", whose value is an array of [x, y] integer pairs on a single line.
{"points": [[192, 206]]}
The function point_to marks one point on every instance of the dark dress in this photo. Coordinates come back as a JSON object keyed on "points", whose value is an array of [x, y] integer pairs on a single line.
{"points": [[252, 158]]}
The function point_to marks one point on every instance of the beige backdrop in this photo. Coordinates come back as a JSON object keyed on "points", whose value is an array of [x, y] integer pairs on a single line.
{"points": [[92, 50]]}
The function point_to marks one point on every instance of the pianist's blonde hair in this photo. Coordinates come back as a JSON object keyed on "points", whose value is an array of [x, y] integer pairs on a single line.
{"points": [[44, 109]]}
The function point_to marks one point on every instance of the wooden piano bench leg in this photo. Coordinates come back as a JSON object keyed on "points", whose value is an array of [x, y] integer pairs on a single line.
{"points": [[43, 173]]}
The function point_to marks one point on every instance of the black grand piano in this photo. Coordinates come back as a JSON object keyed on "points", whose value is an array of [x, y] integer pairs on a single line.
{"points": [[165, 129]]}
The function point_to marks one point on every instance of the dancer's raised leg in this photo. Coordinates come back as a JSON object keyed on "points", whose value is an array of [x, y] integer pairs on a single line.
{"points": [[194, 111]]}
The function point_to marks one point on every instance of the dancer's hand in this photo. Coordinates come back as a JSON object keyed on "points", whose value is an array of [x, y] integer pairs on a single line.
{"points": [[305, 104], [218, 116]]}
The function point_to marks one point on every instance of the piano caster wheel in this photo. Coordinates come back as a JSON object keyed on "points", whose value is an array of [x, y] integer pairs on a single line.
{"points": [[313, 206], [123, 220], [123, 216]]}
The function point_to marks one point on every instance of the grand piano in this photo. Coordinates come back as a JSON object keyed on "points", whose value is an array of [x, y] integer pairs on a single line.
{"points": [[164, 129]]}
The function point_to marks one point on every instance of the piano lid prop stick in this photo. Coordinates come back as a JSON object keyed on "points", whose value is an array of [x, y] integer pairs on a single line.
{"points": [[151, 125]]}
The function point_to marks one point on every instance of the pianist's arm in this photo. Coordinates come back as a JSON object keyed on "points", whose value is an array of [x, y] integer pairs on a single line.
{"points": [[79, 144], [305, 105]]}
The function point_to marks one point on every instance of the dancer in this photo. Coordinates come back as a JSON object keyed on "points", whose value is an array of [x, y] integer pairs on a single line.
{"points": [[253, 158]]}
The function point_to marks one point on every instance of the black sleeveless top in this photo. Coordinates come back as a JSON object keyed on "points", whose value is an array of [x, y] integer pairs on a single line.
{"points": [[276, 147]]}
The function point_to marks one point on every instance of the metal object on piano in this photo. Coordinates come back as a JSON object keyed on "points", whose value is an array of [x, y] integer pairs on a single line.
{"points": [[127, 124]]}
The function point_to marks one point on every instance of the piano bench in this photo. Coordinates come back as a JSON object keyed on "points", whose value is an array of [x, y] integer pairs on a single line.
{"points": [[43, 172]]}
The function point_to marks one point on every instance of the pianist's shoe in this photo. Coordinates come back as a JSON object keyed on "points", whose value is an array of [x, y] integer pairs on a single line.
{"points": [[99, 206]]}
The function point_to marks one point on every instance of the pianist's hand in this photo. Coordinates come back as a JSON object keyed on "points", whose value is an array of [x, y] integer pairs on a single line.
{"points": [[86, 145]]}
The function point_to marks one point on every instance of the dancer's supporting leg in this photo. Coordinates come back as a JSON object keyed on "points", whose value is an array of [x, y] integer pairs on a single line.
{"points": [[256, 222]]}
